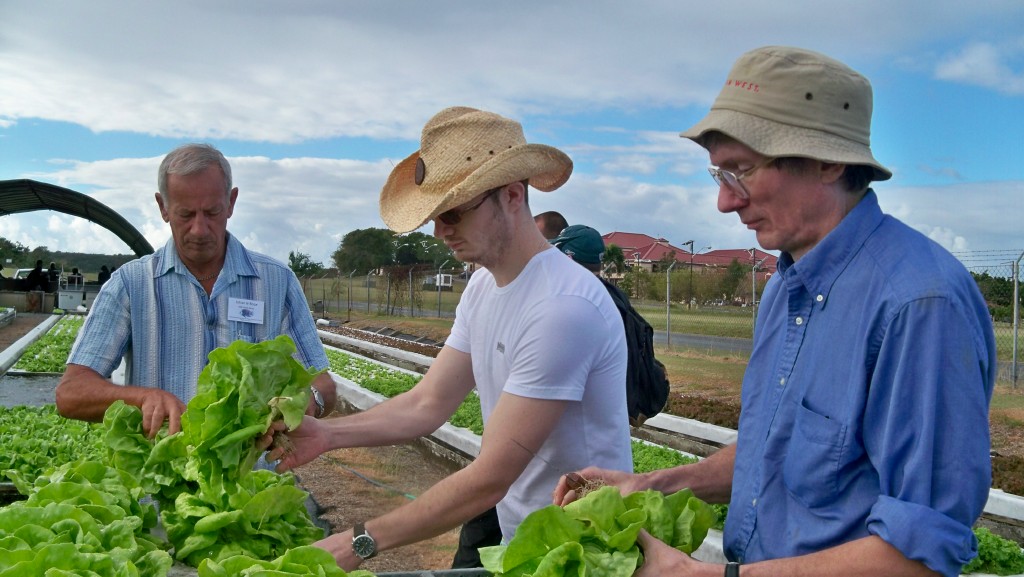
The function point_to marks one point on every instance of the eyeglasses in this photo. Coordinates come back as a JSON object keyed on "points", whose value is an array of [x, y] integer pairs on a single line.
{"points": [[454, 216], [733, 181]]}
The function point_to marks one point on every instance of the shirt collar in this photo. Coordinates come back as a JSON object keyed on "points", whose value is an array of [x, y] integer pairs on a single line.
{"points": [[823, 264], [236, 262]]}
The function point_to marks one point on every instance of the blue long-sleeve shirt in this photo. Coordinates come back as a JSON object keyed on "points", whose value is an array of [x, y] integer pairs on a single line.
{"points": [[865, 402]]}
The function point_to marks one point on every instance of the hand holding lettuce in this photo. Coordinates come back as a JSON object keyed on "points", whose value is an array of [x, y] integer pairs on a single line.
{"points": [[213, 505], [597, 536]]}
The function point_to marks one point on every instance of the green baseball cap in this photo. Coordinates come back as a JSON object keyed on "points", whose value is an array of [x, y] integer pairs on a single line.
{"points": [[582, 243]]}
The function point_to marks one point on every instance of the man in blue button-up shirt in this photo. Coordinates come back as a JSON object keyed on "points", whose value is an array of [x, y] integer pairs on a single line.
{"points": [[863, 444]]}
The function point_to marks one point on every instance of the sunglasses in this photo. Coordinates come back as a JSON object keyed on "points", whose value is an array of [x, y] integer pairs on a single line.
{"points": [[454, 216]]}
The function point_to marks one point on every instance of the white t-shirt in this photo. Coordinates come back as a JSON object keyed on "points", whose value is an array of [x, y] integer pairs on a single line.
{"points": [[552, 333]]}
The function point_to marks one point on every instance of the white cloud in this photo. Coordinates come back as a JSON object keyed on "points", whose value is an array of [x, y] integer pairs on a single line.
{"points": [[293, 204], [961, 217], [987, 65], [285, 72], [346, 84]]}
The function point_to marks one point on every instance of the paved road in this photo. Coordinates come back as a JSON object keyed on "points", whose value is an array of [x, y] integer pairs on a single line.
{"points": [[713, 344]]}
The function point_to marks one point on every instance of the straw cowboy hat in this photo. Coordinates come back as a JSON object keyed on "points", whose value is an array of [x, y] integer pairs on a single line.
{"points": [[783, 101], [463, 153]]}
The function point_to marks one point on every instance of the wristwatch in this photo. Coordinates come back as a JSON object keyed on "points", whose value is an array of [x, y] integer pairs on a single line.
{"points": [[362, 543], [732, 569], [319, 400]]}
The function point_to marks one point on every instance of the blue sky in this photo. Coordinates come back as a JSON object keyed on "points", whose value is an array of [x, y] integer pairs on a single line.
{"points": [[313, 102]]}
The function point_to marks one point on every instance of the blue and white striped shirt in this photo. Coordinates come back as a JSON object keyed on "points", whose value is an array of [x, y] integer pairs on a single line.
{"points": [[156, 314]]}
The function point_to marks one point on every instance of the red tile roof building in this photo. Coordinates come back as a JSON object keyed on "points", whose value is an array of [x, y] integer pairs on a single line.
{"points": [[648, 251]]}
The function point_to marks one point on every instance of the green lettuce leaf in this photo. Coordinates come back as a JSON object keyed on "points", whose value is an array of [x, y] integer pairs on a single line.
{"points": [[596, 536]]}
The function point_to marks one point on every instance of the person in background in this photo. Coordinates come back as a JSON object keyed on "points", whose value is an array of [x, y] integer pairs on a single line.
{"points": [[544, 411], [857, 463], [53, 275], [165, 312], [550, 223], [37, 279], [104, 275], [582, 244]]}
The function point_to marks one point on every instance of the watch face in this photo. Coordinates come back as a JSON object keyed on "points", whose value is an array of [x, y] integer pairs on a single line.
{"points": [[364, 546]]}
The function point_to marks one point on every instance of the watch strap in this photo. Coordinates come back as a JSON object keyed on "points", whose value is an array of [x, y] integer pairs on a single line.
{"points": [[359, 530], [732, 569], [318, 400]]}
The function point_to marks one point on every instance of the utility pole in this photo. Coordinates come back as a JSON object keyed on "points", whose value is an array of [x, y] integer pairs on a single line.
{"points": [[350, 295], [689, 291], [438, 283], [668, 305], [753, 287], [1016, 313], [368, 291]]}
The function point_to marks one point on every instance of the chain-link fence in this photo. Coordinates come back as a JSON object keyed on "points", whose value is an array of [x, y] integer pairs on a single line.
{"points": [[712, 304], [1000, 285], [400, 290], [709, 302]]}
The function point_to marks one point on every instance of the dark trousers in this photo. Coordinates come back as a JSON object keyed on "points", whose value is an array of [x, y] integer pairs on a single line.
{"points": [[481, 531]]}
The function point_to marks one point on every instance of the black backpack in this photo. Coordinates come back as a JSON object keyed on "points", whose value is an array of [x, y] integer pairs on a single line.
{"points": [[646, 383]]}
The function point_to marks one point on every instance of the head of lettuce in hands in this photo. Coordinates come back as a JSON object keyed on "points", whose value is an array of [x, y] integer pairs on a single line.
{"points": [[598, 534], [242, 390], [213, 504]]}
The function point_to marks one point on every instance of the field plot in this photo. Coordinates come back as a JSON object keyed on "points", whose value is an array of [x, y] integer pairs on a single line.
{"points": [[50, 353]]}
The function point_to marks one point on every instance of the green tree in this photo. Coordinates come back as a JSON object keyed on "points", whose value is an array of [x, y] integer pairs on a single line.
{"points": [[302, 265], [39, 253], [420, 248], [613, 256], [998, 294], [640, 281], [12, 250], [364, 250], [733, 275], [997, 291]]}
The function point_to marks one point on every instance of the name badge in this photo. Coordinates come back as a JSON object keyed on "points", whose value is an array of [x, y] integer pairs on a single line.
{"points": [[245, 311]]}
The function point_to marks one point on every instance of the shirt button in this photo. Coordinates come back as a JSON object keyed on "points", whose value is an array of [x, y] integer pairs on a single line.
{"points": [[819, 298], [753, 503], [782, 381], [799, 321]]}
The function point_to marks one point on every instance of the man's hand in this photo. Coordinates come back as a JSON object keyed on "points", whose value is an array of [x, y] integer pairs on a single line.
{"points": [[339, 546], [297, 447], [565, 492], [158, 406], [661, 559]]}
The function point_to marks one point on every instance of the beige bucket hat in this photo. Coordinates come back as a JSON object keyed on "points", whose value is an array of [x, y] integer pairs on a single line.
{"points": [[782, 101], [464, 152]]}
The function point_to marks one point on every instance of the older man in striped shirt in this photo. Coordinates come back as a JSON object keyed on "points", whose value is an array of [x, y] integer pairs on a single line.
{"points": [[166, 311]]}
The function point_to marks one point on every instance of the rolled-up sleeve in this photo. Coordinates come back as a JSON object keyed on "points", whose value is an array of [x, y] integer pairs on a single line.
{"points": [[927, 432], [923, 534]]}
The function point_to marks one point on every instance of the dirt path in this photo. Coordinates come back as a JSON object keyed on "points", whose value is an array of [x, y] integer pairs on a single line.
{"points": [[352, 485], [19, 327]]}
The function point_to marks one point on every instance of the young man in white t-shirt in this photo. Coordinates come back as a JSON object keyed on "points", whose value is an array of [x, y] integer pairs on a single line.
{"points": [[536, 335]]}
